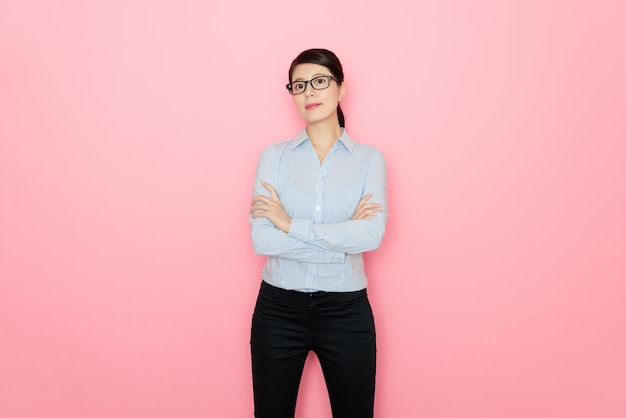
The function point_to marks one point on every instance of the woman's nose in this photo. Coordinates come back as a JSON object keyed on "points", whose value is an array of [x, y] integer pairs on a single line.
{"points": [[309, 91]]}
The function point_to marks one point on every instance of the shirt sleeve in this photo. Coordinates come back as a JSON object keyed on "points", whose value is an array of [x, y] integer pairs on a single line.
{"points": [[267, 239], [353, 236]]}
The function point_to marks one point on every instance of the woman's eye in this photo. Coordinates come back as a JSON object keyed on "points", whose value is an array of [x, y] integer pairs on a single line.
{"points": [[298, 86], [320, 81]]}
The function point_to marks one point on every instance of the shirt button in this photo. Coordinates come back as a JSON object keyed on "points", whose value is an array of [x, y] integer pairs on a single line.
{"points": [[317, 207]]}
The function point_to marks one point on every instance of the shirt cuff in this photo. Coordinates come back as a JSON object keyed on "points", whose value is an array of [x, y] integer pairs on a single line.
{"points": [[300, 228], [333, 257]]}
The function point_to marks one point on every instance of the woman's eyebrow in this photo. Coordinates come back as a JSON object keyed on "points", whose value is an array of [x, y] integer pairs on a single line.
{"points": [[314, 75]]}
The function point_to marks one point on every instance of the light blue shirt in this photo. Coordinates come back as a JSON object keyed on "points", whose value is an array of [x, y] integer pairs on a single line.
{"points": [[323, 248]]}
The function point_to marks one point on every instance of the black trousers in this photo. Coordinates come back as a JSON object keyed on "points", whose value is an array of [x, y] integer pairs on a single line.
{"points": [[337, 326]]}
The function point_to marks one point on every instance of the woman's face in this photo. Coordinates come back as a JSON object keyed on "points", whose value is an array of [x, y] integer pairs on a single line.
{"points": [[316, 105]]}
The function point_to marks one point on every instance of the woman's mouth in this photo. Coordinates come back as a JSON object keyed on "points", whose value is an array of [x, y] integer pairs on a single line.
{"points": [[312, 106]]}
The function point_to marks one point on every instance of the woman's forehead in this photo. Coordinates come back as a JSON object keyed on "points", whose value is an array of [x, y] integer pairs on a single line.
{"points": [[307, 70]]}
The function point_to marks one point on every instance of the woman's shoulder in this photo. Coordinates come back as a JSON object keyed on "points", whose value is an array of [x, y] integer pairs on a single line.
{"points": [[360, 147], [275, 150], [366, 147], [278, 148], [370, 151], [368, 155]]}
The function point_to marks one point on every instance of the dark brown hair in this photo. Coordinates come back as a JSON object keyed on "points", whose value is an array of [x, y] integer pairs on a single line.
{"points": [[329, 60]]}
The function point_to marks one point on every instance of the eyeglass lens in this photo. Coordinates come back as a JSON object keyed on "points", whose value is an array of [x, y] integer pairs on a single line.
{"points": [[317, 83]]}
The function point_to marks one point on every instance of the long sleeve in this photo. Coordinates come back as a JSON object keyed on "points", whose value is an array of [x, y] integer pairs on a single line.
{"points": [[352, 236], [269, 240]]}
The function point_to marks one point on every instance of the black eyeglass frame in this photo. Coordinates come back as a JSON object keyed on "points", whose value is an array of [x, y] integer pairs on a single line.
{"points": [[330, 78]]}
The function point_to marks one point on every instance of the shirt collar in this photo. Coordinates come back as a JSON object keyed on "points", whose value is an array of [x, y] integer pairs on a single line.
{"points": [[344, 139]]}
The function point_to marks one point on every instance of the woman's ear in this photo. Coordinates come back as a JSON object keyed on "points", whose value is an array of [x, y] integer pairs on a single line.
{"points": [[342, 91]]}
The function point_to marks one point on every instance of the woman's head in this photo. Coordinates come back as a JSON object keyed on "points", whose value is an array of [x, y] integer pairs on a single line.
{"points": [[322, 67]]}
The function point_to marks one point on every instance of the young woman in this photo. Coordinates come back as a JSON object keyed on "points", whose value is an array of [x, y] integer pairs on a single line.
{"points": [[320, 201]]}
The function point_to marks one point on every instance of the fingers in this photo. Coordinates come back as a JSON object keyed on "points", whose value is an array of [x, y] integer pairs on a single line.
{"points": [[366, 210], [269, 187], [263, 206], [261, 199], [258, 214], [270, 208], [262, 202], [373, 207], [359, 208], [365, 199]]}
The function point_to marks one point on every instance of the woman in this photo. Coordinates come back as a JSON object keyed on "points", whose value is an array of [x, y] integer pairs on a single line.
{"points": [[320, 201]]}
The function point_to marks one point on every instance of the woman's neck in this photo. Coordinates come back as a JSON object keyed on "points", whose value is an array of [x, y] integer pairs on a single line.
{"points": [[323, 135]]}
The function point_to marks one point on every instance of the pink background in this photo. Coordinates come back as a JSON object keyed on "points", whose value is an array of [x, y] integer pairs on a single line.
{"points": [[129, 136]]}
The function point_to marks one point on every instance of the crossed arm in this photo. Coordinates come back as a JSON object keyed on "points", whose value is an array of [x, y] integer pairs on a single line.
{"points": [[275, 233], [272, 209]]}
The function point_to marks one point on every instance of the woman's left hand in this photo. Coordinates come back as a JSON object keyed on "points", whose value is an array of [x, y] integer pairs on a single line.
{"points": [[270, 208]]}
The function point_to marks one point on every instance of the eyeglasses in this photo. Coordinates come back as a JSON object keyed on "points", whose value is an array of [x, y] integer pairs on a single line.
{"points": [[318, 83]]}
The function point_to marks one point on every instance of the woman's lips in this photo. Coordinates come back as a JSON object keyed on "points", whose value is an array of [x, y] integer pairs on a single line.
{"points": [[312, 106]]}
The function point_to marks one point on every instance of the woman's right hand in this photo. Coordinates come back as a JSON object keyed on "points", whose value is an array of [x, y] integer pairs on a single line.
{"points": [[366, 210]]}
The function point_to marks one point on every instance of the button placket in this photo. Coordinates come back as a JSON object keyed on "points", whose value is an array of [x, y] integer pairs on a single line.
{"points": [[319, 193]]}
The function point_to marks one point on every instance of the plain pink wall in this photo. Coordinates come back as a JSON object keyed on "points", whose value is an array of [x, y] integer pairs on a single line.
{"points": [[129, 136]]}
